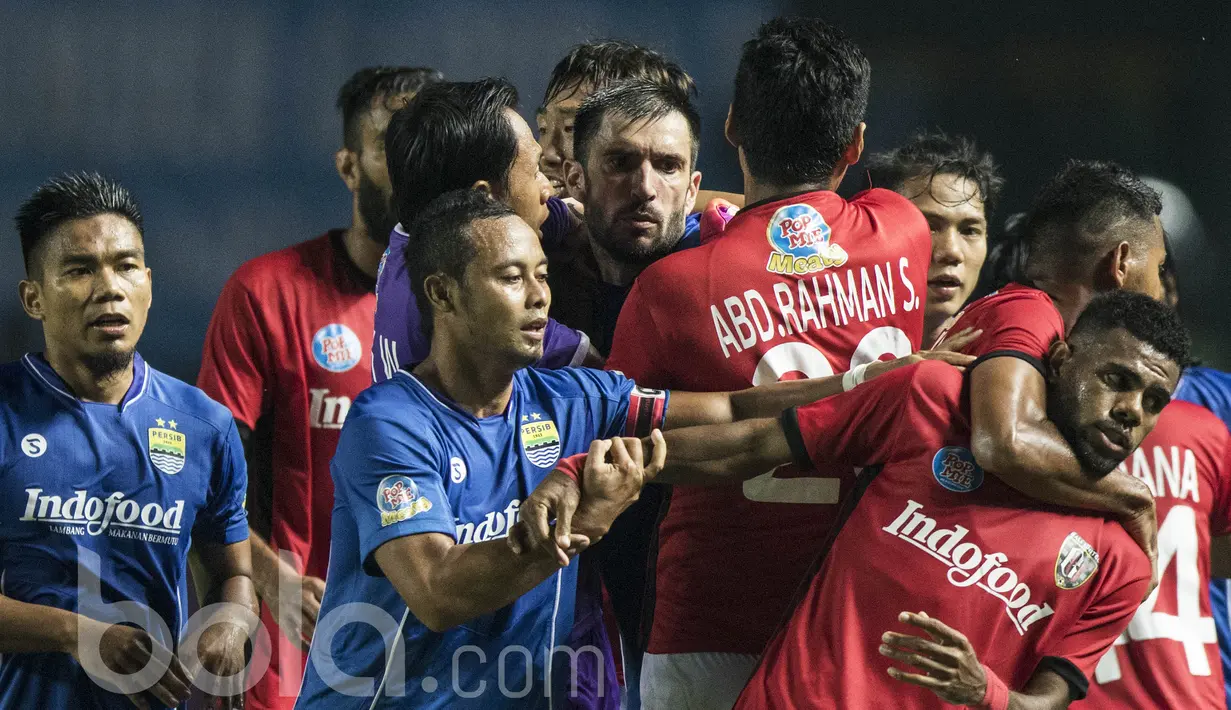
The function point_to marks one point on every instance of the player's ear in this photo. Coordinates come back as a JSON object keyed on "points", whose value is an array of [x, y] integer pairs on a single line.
{"points": [[575, 180], [854, 149], [347, 163], [436, 288], [694, 187], [1118, 266], [484, 186], [31, 298], [1057, 355]]}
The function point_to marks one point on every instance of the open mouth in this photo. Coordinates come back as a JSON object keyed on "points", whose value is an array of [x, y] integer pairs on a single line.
{"points": [[945, 285], [111, 324], [536, 328], [1114, 438]]}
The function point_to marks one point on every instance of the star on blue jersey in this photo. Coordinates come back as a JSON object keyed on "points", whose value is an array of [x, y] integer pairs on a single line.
{"points": [[1211, 389], [117, 493], [410, 462]]}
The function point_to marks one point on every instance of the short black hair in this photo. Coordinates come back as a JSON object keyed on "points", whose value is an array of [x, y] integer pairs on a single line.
{"points": [[67, 197], [603, 62], [368, 84], [451, 135], [936, 153], [440, 239], [1152, 322], [1072, 218], [800, 91], [637, 100]]}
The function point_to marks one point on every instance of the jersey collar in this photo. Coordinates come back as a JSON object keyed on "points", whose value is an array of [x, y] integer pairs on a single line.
{"points": [[46, 376], [452, 407]]}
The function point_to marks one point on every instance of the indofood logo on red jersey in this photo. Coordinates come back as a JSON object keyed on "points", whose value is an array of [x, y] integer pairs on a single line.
{"points": [[800, 239], [969, 565]]}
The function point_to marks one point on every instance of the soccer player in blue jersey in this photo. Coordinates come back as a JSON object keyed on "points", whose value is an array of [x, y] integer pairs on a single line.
{"points": [[111, 470], [425, 606]]}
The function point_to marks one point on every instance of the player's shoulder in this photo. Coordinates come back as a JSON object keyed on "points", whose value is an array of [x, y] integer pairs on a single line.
{"points": [[15, 382], [1018, 299], [931, 380], [1119, 557], [878, 198], [1206, 386], [402, 402], [570, 382], [185, 398], [281, 270]]}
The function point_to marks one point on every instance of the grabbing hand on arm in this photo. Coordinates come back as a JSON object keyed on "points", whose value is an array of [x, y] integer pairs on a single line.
{"points": [[944, 662], [220, 648], [292, 598]]}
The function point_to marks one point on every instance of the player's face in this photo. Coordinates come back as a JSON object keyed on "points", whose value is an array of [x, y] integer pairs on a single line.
{"points": [[556, 133], [375, 192], [1145, 265], [955, 214], [94, 293], [527, 190], [504, 295], [1105, 396], [638, 186]]}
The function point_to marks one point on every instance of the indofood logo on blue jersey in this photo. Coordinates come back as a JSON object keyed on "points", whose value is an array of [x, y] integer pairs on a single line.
{"points": [[956, 470], [800, 239], [336, 348]]}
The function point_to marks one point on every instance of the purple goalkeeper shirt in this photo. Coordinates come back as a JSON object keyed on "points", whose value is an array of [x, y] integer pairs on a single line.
{"points": [[399, 338]]}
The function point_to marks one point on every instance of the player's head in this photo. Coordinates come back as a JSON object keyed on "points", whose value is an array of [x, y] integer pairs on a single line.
{"points": [[635, 169], [1113, 375], [1096, 224], [955, 186], [456, 135], [801, 92], [86, 278], [480, 277], [585, 69], [367, 100]]}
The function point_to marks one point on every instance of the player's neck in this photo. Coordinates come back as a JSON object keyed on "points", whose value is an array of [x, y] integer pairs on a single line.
{"points": [[933, 326], [363, 251], [757, 191], [1069, 298], [613, 271], [84, 382], [475, 384]]}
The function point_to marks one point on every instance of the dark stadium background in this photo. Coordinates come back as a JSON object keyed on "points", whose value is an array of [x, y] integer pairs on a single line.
{"points": [[220, 117]]}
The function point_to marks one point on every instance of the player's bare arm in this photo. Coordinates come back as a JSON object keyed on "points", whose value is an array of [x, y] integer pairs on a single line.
{"points": [[221, 646], [689, 409], [1012, 438], [944, 662]]}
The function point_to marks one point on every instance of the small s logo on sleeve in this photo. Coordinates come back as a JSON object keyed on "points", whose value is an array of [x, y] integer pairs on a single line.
{"points": [[33, 445]]}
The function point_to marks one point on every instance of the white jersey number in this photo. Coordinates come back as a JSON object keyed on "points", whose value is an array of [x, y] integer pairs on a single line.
{"points": [[1177, 541], [808, 359]]}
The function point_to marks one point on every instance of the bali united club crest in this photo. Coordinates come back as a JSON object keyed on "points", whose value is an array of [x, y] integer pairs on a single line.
{"points": [[1076, 563]]}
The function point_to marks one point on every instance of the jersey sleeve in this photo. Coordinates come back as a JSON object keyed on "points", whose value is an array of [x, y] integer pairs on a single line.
{"points": [[389, 474], [1022, 327], [391, 341], [1106, 617], [862, 427], [1220, 513], [224, 520], [636, 349], [563, 346], [619, 407], [237, 360]]}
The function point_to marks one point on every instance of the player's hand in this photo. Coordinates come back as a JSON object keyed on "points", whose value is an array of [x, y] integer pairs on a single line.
{"points": [[946, 663], [126, 650], [1143, 528], [556, 497], [614, 475], [295, 605], [955, 342], [946, 351], [221, 652]]}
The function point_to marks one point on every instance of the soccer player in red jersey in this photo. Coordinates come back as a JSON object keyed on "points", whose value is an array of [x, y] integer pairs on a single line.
{"points": [[802, 283], [955, 186], [1093, 227], [287, 351]]}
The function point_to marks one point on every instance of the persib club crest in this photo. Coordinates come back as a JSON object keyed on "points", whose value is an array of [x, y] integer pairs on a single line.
{"points": [[167, 447], [800, 240], [1076, 563], [398, 499], [541, 442], [956, 470]]}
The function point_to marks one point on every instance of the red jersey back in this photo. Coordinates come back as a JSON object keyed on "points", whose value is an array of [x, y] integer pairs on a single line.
{"points": [[804, 286], [1017, 318], [287, 351], [1168, 656], [931, 531]]}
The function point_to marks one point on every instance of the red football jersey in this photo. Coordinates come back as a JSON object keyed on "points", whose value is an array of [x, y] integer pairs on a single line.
{"points": [[804, 286], [287, 351], [1016, 318], [932, 532], [1168, 655]]}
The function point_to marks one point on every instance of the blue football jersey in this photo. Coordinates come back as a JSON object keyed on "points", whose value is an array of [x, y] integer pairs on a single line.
{"points": [[410, 462], [1211, 389], [98, 505]]}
